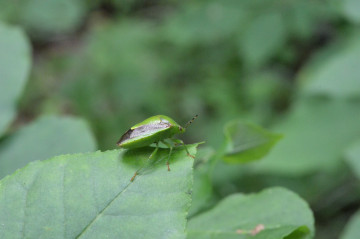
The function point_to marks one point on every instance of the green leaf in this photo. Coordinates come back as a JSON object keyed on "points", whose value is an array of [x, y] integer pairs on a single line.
{"points": [[91, 196], [14, 67], [336, 73], [45, 138], [352, 229], [317, 131], [352, 156], [246, 142], [279, 211], [45, 18]]}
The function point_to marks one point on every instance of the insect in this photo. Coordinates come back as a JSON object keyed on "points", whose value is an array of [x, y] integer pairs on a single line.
{"points": [[155, 129]]}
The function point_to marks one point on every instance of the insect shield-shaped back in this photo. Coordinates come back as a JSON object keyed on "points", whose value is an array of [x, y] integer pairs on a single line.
{"points": [[152, 130], [149, 131]]}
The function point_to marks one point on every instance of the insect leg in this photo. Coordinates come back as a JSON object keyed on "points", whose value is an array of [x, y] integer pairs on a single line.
{"points": [[179, 141], [171, 148], [153, 153], [147, 161]]}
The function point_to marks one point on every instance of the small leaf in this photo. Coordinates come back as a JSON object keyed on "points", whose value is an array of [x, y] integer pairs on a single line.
{"points": [[45, 138], [14, 69], [247, 142], [352, 229], [317, 133], [91, 196], [272, 214]]}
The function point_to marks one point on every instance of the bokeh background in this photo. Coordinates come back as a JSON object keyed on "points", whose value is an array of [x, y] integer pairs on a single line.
{"points": [[290, 66]]}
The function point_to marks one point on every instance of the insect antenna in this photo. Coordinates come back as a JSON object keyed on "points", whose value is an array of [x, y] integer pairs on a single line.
{"points": [[189, 123]]}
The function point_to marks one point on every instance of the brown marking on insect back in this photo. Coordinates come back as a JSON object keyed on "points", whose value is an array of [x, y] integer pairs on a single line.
{"points": [[148, 128], [143, 130], [126, 136], [165, 122]]}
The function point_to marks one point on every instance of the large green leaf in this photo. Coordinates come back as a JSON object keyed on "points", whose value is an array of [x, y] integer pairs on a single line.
{"points": [[14, 68], [45, 138], [91, 196], [316, 133], [280, 212], [352, 156], [335, 71], [247, 142], [352, 229]]}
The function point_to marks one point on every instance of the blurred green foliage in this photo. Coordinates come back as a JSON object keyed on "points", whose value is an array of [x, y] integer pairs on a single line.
{"points": [[291, 66], [14, 68], [46, 137]]}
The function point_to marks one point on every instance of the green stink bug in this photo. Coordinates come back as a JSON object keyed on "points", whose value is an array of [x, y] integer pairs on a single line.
{"points": [[155, 129]]}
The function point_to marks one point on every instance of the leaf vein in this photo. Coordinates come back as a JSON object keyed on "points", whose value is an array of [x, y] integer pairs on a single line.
{"points": [[27, 190], [101, 212], [63, 199]]}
